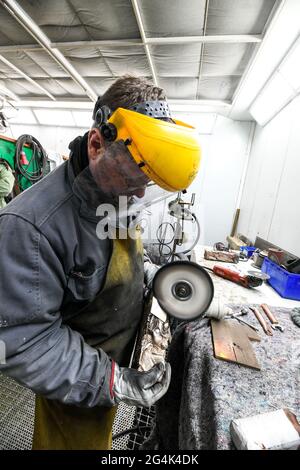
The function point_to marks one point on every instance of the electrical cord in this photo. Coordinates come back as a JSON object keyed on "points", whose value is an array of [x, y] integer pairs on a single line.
{"points": [[196, 239], [37, 161], [164, 245], [3, 122]]}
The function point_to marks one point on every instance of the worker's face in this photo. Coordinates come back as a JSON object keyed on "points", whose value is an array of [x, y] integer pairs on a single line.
{"points": [[115, 171]]}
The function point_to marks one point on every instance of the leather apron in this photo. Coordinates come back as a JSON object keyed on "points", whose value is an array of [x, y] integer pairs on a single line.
{"points": [[111, 323]]}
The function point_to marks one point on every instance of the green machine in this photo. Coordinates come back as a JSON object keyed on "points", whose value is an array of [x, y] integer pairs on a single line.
{"points": [[26, 157]]}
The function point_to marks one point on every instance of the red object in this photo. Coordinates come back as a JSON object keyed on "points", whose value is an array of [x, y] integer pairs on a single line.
{"points": [[276, 255], [231, 275], [23, 159], [245, 280]]}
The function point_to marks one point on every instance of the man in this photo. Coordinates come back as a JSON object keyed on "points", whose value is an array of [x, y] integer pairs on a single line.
{"points": [[71, 301], [7, 180]]}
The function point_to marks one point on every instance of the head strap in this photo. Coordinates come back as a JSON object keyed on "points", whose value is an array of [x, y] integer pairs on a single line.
{"points": [[154, 109]]}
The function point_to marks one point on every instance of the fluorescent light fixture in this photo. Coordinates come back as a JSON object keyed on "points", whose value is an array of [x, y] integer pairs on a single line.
{"points": [[197, 107], [23, 116], [277, 94], [53, 117], [200, 103], [57, 104], [280, 89], [203, 122], [290, 67]]}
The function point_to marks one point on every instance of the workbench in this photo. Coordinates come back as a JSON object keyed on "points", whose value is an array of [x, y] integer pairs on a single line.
{"points": [[206, 393]]}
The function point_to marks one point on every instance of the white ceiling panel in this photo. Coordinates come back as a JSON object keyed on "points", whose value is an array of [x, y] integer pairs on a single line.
{"points": [[173, 17], [222, 86], [126, 60], [180, 60], [22, 87], [96, 67], [180, 88], [76, 60], [100, 84], [226, 59], [37, 64], [74, 20], [10, 31], [238, 16], [57, 19], [106, 19], [47, 64]]}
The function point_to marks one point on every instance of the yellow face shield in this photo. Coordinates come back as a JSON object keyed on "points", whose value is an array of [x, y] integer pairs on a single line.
{"points": [[169, 154]]}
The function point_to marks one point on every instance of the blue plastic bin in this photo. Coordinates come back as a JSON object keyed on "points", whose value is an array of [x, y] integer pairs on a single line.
{"points": [[248, 250], [286, 284]]}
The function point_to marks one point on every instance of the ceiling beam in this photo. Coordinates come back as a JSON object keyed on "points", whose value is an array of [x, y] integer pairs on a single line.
{"points": [[30, 80], [88, 106], [202, 48], [32, 28], [227, 38], [6, 93], [139, 20], [224, 39]]}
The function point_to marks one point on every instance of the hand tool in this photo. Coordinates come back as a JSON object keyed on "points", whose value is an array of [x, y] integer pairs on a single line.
{"points": [[242, 312], [274, 322], [237, 316], [264, 325], [253, 279], [247, 323], [183, 289], [277, 327]]}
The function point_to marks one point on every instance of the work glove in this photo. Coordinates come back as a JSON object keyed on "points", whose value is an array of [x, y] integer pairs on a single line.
{"points": [[141, 388], [150, 270]]}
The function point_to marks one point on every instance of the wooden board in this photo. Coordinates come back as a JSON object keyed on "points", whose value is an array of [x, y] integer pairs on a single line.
{"points": [[252, 334], [232, 342]]}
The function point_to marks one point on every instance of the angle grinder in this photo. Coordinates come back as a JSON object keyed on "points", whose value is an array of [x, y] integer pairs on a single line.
{"points": [[183, 290], [251, 279]]}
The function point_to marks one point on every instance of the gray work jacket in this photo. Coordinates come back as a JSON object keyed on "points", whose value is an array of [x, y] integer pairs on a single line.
{"points": [[46, 233]]}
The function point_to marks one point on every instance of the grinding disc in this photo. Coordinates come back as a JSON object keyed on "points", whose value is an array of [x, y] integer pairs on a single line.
{"points": [[259, 275], [183, 289]]}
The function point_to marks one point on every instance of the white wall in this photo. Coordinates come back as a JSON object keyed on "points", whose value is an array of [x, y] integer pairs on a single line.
{"points": [[270, 206], [224, 154], [56, 139], [217, 185]]}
